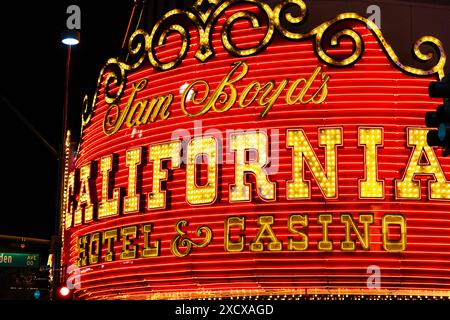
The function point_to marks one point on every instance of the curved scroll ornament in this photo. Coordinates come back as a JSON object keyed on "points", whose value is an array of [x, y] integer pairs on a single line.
{"points": [[113, 75], [436, 44], [319, 32], [181, 246], [282, 18]]}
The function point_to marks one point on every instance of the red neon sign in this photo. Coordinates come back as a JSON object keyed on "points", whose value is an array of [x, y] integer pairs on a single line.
{"points": [[292, 168]]}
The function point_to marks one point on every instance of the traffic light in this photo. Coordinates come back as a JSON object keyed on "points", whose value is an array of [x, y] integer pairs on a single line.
{"points": [[439, 119], [64, 293]]}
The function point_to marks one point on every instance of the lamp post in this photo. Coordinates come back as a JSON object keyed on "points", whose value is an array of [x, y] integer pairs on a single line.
{"points": [[69, 38]]}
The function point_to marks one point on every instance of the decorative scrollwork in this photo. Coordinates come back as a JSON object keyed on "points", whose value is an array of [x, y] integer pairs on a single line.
{"points": [[158, 41], [283, 17], [180, 241], [358, 45], [438, 47], [114, 73], [138, 45], [115, 77], [280, 10], [204, 14], [253, 19], [437, 69]]}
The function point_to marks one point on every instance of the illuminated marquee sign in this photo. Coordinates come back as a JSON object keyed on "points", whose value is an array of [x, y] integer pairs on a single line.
{"points": [[231, 155]]}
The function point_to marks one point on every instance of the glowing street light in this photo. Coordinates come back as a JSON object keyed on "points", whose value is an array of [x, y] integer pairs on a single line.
{"points": [[71, 37]]}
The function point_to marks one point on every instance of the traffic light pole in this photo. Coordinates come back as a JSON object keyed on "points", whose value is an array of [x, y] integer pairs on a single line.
{"points": [[440, 119]]}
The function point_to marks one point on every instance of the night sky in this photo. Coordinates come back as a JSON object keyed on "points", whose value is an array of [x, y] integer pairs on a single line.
{"points": [[32, 78]]}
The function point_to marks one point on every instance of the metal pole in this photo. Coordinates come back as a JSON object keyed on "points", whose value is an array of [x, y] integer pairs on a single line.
{"points": [[58, 218], [124, 43], [66, 100]]}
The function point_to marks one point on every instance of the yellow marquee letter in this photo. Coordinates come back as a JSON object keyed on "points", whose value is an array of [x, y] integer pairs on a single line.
{"points": [[131, 201], [348, 244], [85, 196], [408, 187], [206, 194], [297, 245], [234, 246], [394, 220], [82, 250], [265, 232], [150, 250], [109, 237], [371, 187], [129, 250], [241, 191], [325, 244], [108, 207], [94, 248], [302, 151], [158, 152]]}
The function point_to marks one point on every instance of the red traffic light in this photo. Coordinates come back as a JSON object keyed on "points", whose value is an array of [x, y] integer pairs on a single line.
{"points": [[64, 292]]}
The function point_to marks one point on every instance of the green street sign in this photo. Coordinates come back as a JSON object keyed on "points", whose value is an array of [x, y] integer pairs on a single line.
{"points": [[19, 260]]}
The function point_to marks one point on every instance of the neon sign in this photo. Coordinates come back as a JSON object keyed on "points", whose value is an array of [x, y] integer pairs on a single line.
{"points": [[232, 156]]}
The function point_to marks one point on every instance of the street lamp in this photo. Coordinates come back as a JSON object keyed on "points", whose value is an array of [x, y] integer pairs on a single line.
{"points": [[69, 38]]}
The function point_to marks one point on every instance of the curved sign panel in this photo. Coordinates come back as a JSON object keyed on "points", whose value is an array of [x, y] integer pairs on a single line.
{"points": [[231, 154]]}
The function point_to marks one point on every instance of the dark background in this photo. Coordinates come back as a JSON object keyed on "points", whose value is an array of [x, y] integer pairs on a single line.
{"points": [[32, 75]]}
